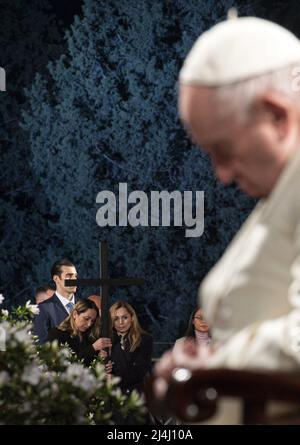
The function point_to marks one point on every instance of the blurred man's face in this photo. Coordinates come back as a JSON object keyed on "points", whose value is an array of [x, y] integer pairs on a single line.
{"points": [[97, 300], [248, 153], [42, 296], [67, 273], [50, 293]]}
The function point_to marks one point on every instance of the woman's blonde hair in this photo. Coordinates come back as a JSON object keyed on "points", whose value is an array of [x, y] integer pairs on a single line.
{"points": [[135, 331], [80, 307]]}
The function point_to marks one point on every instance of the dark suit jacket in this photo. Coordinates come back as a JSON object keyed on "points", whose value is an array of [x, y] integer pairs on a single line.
{"points": [[52, 313], [132, 367], [83, 349]]}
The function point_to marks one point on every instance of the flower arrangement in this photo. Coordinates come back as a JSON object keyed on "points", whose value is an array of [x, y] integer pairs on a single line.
{"points": [[47, 384]]}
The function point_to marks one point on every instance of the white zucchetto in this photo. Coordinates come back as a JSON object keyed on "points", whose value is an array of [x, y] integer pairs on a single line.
{"points": [[238, 49]]}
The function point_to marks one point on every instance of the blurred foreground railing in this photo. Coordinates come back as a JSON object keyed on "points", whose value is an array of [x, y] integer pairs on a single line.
{"points": [[193, 397]]}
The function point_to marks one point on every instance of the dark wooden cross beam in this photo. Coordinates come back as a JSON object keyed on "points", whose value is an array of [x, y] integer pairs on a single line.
{"points": [[105, 283]]}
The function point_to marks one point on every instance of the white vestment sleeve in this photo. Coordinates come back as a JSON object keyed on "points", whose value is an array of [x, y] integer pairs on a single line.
{"points": [[272, 344]]}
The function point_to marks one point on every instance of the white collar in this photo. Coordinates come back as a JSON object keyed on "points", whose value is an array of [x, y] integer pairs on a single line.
{"points": [[64, 300]]}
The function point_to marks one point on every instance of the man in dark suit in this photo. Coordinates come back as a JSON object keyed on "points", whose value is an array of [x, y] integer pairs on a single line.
{"points": [[55, 309]]}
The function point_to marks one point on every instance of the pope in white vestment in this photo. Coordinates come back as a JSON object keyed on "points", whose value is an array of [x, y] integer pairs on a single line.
{"points": [[251, 297], [239, 99]]}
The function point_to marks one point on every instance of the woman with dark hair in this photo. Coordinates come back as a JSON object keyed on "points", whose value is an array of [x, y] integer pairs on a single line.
{"points": [[198, 328], [81, 331], [132, 347]]}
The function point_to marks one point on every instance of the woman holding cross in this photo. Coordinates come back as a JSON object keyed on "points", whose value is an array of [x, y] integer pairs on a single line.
{"points": [[81, 332]]}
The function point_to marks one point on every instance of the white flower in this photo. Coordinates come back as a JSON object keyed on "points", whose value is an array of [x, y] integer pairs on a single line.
{"points": [[31, 374], [1, 298], [113, 381], [74, 370], [4, 378], [117, 393], [100, 372], [33, 308], [26, 407], [4, 312], [45, 393], [54, 388], [22, 335], [5, 327], [81, 377]]}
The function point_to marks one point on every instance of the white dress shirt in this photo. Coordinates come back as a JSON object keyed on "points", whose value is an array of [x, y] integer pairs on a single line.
{"points": [[64, 301]]}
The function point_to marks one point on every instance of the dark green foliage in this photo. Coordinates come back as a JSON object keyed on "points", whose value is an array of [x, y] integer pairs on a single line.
{"points": [[109, 115], [106, 112], [23, 218]]}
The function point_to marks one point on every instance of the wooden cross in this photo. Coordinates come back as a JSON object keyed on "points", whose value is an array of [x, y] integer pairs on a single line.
{"points": [[105, 283]]}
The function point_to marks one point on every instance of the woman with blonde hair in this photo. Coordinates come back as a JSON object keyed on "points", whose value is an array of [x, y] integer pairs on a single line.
{"points": [[81, 331], [132, 347]]}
